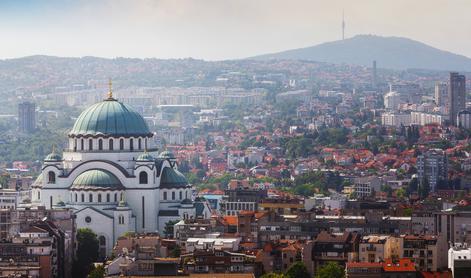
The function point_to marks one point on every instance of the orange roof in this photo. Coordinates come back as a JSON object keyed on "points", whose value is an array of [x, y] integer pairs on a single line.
{"points": [[402, 265], [231, 220], [363, 264]]}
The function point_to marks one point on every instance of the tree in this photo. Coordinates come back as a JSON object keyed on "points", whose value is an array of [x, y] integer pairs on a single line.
{"points": [[168, 230], [175, 252], [297, 270], [331, 270], [87, 252], [97, 272], [273, 275]]}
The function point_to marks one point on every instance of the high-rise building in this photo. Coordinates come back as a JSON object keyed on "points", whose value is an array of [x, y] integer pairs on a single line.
{"points": [[26, 116], [432, 166], [456, 95], [441, 94], [374, 81]]}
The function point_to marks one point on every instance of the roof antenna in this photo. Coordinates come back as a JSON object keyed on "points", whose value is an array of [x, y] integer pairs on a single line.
{"points": [[110, 92]]}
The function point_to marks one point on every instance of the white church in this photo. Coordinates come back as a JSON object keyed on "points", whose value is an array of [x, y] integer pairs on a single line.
{"points": [[112, 177]]}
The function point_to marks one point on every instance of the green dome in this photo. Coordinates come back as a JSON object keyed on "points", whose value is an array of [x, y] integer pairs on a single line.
{"points": [[145, 157], [53, 157], [167, 155], [110, 118], [96, 179], [172, 178]]}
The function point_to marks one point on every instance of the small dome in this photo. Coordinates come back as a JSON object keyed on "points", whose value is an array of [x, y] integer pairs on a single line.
{"points": [[145, 157], [38, 182], [187, 202], [167, 155], [110, 118], [172, 178], [96, 179], [53, 157]]}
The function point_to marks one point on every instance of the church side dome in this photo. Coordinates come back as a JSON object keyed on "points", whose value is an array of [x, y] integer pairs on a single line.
{"points": [[110, 118], [166, 155], [53, 157], [172, 178], [145, 157], [96, 179]]}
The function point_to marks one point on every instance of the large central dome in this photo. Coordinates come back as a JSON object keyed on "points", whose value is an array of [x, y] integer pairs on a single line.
{"points": [[110, 118]]}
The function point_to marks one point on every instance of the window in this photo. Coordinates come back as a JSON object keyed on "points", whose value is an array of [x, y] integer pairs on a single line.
{"points": [[115, 197], [90, 197], [76, 197], [173, 195], [51, 177], [39, 195], [165, 195], [121, 144], [121, 219], [111, 144], [75, 144], [139, 144], [100, 144], [99, 198], [82, 144], [107, 197], [88, 219], [83, 198], [181, 195], [143, 178], [90, 144], [131, 144]]}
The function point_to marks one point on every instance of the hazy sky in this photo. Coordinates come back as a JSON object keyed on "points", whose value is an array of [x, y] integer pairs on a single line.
{"points": [[219, 29]]}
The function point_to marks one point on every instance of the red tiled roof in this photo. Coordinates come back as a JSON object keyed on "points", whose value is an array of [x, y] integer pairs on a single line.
{"points": [[402, 265]]}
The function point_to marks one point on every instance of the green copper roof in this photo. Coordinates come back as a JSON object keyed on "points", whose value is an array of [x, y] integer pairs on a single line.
{"points": [[110, 118], [145, 157], [167, 155], [53, 157], [172, 178], [96, 179]]}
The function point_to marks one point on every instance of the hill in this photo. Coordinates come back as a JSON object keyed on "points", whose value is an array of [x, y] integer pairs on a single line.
{"points": [[389, 52]]}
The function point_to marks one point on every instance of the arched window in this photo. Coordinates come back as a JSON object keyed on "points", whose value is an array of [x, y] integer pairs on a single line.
{"points": [[181, 195], [90, 197], [75, 144], [115, 197], [82, 144], [76, 197], [165, 195], [90, 144], [121, 219], [111, 144], [107, 197], [83, 198], [102, 247], [145, 143], [121, 144], [51, 177], [139, 144], [39, 195], [186, 194], [99, 198], [100, 144], [142, 177], [131, 144], [173, 195]]}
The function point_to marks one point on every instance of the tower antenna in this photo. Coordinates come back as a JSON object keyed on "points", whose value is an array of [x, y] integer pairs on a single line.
{"points": [[343, 25]]}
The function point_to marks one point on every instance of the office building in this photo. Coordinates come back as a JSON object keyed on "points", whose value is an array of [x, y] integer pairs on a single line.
{"points": [[456, 95], [432, 166], [441, 94], [26, 117]]}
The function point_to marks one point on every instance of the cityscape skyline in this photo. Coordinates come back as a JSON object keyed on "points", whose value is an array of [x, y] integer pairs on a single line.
{"points": [[216, 30]]}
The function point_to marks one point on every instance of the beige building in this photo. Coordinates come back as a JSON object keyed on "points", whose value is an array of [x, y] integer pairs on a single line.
{"points": [[377, 248], [428, 252]]}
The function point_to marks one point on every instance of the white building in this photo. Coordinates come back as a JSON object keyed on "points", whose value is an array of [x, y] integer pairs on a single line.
{"points": [[392, 100], [111, 177], [459, 260], [424, 118], [395, 119]]}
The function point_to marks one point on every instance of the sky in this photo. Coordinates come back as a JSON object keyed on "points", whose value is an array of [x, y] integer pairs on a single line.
{"points": [[219, 29]]}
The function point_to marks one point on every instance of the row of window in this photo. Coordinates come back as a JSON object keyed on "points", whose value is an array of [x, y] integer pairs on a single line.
{"points": [[180, 195], [75, 196], [110, 144], [51, 178]]}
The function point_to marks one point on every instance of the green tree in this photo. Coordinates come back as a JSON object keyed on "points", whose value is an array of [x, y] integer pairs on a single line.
{"points": [[273, 275], [331, 270], [297, 270], [97, 272], [168, 230], [87, 253]]}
